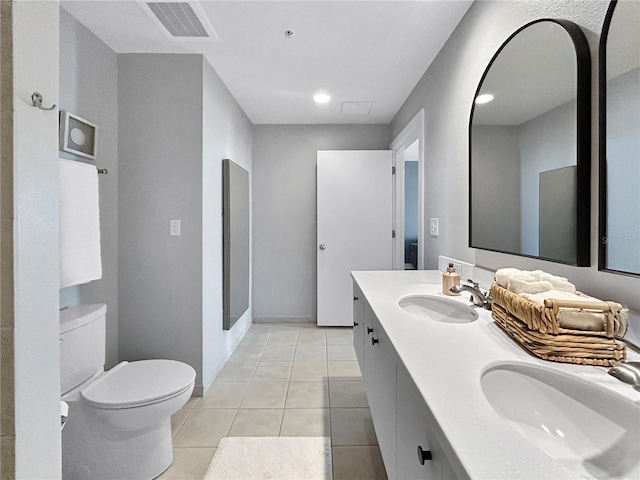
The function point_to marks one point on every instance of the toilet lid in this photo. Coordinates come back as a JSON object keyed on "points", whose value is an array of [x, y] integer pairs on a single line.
{"points": [[133, 384]]}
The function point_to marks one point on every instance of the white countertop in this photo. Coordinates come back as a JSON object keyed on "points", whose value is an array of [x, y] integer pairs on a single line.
{"points": [[446, 362]]}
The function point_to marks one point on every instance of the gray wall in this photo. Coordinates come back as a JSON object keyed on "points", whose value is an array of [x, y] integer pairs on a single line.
{"points": [[89, 88], [446, 93], [547, 142], [160, 178], [227, 133], [284, 220], [497, 221], [177, 121]]}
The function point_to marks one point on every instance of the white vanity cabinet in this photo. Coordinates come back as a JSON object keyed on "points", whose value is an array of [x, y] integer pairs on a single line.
{"points": [[418, 454], [400, 416], [380, 384], [358, 325]]}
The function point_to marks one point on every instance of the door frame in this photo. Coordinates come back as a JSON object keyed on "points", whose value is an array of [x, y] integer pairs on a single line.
{"points": [[414, 130]]}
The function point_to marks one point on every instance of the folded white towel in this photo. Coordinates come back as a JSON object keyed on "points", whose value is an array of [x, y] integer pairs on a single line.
{"points": [[580, 320], [559, 283], [503, 274], [80, 253], [526, 284], [558, 295]]}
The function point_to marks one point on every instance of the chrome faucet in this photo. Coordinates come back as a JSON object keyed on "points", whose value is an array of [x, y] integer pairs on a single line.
{"points": [[628, 372], [478, 297]]}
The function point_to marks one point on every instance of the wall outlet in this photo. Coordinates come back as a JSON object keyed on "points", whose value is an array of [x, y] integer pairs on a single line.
{"points": [[433, 227], [174, 228]]}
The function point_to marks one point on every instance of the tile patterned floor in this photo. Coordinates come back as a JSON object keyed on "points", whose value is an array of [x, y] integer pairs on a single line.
{"points": [[283, 380]]}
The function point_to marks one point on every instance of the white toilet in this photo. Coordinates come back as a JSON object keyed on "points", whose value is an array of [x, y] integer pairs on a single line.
{"points": [[119, 424]]}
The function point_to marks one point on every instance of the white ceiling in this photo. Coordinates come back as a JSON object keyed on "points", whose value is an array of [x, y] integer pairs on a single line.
{"points": [[357, 51]]}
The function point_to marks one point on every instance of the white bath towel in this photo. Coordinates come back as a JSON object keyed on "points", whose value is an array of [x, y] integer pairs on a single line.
{"points": [[80, 252], [559, 283], [527, 284], [558, 295], [503, 275]]}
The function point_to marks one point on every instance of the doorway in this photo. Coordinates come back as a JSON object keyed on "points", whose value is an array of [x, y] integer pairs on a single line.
{"points": [[408, 196]]}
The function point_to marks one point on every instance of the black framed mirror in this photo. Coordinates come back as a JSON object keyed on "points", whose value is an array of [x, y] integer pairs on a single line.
{"points": [[619, 178], [530, 146]]}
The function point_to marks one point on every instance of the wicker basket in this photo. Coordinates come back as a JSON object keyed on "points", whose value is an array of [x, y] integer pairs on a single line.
{"points": [[538, 329]]}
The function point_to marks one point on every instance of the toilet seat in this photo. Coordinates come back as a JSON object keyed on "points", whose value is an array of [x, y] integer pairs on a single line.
{"points": [[140, 383]]}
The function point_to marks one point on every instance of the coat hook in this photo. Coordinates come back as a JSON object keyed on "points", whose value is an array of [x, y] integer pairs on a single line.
{"points": [[36, 98]]}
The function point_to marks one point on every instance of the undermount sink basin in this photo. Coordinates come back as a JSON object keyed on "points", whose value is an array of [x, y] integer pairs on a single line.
{"points": [[592, 431], [439, 309]]}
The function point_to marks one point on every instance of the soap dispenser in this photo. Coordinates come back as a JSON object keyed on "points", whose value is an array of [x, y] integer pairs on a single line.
{"points": [[449, 279]]}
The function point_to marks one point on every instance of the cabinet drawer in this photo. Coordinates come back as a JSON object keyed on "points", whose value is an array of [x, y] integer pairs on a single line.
{"points": [[419, 455]]}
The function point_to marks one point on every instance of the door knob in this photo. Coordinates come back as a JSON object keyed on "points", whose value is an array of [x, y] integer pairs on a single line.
{"points": [[323, 246]]}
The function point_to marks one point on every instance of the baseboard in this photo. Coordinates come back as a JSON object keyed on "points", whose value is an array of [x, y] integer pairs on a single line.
{"points": [[284, 319], [198, 391]]}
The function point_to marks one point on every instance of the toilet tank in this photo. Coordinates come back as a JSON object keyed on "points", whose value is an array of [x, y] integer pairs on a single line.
{"points": [[82, 343]]}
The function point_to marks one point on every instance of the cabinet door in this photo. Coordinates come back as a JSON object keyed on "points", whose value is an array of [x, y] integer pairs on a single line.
{"points": [[367, 352], [358, 325], [413, 431], [380, 383]]}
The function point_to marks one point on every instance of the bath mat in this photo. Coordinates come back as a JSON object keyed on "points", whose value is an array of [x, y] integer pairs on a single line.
{"points": [[273, 458]]}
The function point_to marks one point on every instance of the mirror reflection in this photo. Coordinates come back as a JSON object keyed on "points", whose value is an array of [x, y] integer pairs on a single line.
{"points": [[622, 236], [235, 242], [528, 147]]}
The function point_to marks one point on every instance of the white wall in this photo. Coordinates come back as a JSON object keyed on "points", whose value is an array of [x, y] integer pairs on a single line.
{"points": [[446, 93], [284, 211], [37, 276], [89, 88], [227, 133]]}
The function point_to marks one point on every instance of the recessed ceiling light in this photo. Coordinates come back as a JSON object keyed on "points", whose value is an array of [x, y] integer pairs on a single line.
{"points": [[484, 98], [321, 98]]}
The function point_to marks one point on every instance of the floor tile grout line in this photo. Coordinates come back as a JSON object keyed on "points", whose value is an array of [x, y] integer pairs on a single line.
{"points": [[330, 406], [333, 465]]}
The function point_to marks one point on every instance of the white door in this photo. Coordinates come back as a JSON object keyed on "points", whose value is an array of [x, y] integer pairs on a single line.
{"points": [[354, 230]]}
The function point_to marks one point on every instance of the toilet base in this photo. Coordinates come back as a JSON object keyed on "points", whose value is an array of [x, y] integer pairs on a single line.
{"points": [[91, 450]]}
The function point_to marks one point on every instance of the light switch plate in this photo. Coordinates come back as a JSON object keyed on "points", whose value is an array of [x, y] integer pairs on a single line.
{"points": [[174, 228], [433, 227]]}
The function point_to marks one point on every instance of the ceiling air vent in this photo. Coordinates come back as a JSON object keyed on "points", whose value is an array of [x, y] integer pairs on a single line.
{"points": [[356, 108], [181, 20]]}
